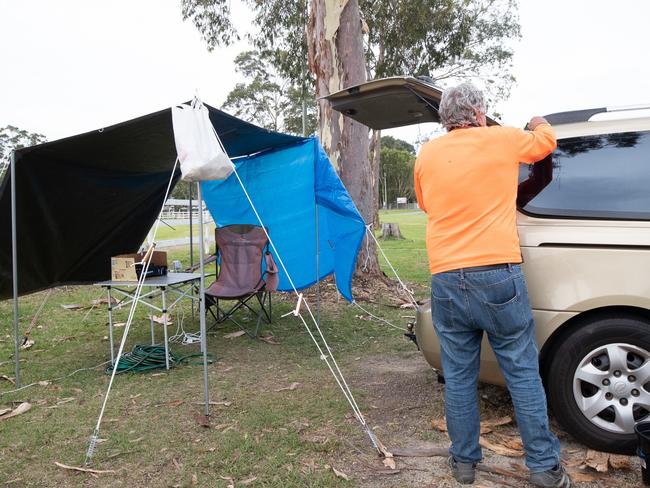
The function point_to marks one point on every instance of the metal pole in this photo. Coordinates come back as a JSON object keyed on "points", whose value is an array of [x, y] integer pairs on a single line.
{"points": [[385, 191], [110, 325], [163, 293], [191, 242], [317, 273], [189, 206], [204, 346], [14, 263]]}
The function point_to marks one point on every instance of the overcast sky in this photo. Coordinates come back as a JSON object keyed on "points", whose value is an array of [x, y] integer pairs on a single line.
{"points": [[77, 65]]}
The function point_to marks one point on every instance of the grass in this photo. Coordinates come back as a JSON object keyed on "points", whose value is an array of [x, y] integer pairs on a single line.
{"points": [[284, 438]]}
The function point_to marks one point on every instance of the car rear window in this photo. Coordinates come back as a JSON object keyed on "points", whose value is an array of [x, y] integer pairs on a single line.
{"points": [[603, 176]]}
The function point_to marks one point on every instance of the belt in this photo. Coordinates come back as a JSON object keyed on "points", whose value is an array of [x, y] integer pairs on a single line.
{"points": [[490, 267]]}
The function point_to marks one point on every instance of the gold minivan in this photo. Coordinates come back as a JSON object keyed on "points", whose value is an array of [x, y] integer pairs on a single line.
{"points": [[584, 229]]}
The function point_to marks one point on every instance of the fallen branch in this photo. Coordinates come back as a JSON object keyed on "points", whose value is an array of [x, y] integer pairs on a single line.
{"points": [[84, 470], [489, 468], [420, 451], [22, 408]]}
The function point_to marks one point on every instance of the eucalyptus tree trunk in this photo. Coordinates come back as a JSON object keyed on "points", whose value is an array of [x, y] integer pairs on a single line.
{"points": [[337, 60]]}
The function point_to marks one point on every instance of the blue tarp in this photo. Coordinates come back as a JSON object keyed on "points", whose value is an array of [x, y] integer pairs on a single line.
{"points": [[292, 188]]}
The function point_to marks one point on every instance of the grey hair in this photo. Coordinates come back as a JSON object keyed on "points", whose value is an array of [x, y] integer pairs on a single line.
{"points": [[458, 105]]}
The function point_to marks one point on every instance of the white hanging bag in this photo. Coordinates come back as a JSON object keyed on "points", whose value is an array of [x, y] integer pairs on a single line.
{"points": [[199, 150]]}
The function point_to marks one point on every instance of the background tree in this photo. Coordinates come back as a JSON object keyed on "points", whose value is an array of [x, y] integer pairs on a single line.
{"points": [[394, 143], [396, 170], [12, 138], [267, 98]]}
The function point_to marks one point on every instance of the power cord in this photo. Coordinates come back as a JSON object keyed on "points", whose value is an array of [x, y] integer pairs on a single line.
{"points": [[146, 357]]}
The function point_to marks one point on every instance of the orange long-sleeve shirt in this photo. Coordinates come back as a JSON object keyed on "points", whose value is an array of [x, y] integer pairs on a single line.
{"points": [[466, 182]]}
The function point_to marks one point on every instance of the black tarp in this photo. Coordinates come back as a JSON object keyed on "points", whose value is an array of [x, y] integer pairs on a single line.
{"points": [[83, 199]]}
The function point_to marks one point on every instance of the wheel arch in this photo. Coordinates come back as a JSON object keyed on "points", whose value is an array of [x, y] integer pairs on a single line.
{"points": [[568, 327]]}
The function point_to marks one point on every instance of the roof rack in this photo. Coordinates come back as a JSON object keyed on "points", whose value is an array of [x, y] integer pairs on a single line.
{"points": [[586, 114]]}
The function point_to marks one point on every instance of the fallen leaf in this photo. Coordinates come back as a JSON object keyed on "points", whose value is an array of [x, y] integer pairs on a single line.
{"points": [[84, 470], [340, 474], [22, 408], [389, 462], [28, 343], [202, 420], [7, 378], [231, 482], [269, 340], [232, 335], [293, 386], [499, 449], [119, 324], [195, 479], [43, 383], [247, 481], [440, 424], [72, 306], [139, 439], [597, 460], [161, 319], [4, 411], [617, 461]]}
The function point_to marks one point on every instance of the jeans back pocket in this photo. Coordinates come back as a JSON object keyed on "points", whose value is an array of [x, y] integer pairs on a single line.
{"points": [[505, 306]]}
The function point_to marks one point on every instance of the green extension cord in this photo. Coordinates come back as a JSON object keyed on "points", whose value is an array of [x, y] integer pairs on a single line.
{"points": [[145, 357]]}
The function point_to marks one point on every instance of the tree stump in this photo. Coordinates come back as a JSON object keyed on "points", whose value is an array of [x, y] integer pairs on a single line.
{"points": [[390, 231]]}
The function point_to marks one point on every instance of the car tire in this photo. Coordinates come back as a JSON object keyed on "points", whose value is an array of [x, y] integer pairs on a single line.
{"points": [[592, 384]]}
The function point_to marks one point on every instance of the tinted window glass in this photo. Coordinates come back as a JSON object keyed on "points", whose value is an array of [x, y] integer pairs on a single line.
{"points": [[604, 176]]}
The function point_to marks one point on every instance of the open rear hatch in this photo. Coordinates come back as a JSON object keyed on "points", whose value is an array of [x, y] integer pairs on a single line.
{"points": [[390, 102]]}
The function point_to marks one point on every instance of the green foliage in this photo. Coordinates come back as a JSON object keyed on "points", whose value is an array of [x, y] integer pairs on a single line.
{"points": [[393, 143], [212, 19], [12, 138], [266, 98], [396, 173], [443, 39]]}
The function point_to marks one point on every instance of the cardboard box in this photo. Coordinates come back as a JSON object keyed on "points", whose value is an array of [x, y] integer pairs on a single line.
{"points": [[123, 266]]}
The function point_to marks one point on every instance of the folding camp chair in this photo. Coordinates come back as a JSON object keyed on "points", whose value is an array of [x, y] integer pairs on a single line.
{"points": [[246, 272]]}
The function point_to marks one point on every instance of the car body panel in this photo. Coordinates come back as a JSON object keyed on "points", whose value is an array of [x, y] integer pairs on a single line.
{"points": [[546, 321]]}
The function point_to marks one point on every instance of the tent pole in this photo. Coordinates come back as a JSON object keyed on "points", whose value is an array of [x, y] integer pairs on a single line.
{"points": [[204, 346], [189, 206], [14, 264], [317, 274]]}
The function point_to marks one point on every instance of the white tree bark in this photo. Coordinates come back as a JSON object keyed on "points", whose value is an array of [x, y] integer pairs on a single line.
{"points": [[337, 59]]}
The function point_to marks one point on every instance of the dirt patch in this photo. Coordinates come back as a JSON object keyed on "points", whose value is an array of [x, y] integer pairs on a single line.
{"points": [[403, 396]]}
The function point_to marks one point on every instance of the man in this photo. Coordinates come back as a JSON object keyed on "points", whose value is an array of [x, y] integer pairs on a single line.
{"points": [[466, 182]]}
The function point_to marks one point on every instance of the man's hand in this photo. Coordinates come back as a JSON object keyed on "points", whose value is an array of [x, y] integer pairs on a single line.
{"points": [[535, 121]]}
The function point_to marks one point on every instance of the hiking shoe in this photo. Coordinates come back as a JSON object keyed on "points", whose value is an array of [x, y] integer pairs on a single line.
{"points": [[463, 472], [552, 478]]}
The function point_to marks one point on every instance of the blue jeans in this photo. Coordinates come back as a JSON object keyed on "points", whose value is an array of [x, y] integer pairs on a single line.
{"points": [[464, 304]]}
